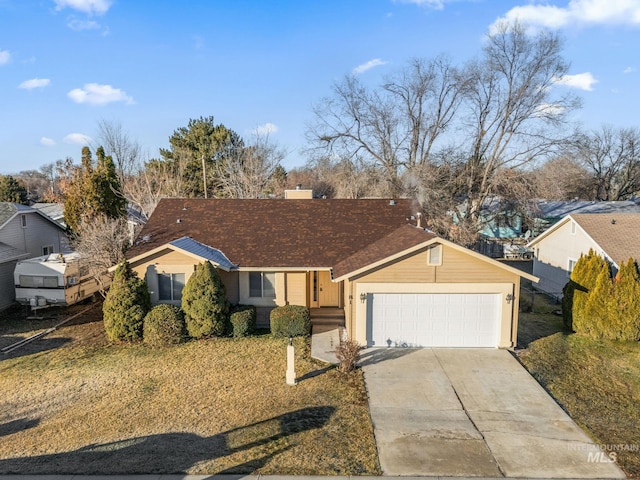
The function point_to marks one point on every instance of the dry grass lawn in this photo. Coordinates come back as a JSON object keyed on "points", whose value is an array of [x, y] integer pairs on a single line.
{"points": [[203, 407], [596, 382]]}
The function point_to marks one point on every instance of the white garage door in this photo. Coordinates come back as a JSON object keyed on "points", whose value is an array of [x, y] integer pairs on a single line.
{"points": [[433, 319]]}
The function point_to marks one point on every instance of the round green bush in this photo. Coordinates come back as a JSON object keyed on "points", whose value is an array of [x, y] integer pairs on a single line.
{"points": [[204, 303], [290, 321], [243, 320], [163, 326], [126, 305]]}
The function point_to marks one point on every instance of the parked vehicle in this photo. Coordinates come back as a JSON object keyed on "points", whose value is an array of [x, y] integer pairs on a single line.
{"points": [[56, 279]]}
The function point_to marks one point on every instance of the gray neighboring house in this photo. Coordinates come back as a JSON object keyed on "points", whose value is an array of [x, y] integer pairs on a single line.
{"points": [[25, 232]]}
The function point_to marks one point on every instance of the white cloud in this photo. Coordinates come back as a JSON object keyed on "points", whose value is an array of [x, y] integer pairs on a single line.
{"points": [[434, 4], [629, 70], [96, 94], [376, 62], [577, 12], [5, 57], [35, 83], [80, 25], [265, 129], [47, 142], [583, 81], [549, 110], [90, 7], [77, 139]]}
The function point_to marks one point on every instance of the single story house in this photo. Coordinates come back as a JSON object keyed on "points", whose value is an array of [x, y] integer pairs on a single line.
{"points": [[25, 232], [614, 236], [397, 283]]}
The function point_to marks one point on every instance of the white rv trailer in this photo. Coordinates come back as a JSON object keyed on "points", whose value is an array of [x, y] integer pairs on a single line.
{"points": [[56, 279]]}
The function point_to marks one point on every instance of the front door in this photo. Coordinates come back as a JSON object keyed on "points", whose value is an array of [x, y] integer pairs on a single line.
{"points": [[328, 291]]}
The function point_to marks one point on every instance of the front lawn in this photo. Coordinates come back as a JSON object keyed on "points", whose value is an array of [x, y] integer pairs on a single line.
{"points": [[203, 407], [598, 384]]}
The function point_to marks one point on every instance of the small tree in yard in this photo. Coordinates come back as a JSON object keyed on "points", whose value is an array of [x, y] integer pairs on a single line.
{"points": [[204, 303], [625, 305], [126, 305], [596, 315], [576, 291]]}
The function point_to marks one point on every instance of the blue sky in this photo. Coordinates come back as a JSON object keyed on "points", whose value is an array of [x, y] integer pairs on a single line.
{"points": [[153, 65]]}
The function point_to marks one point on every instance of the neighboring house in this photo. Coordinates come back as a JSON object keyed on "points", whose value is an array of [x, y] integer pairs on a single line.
{"points": [[52, 210], [397, 284], [615, 236], [24, 233]]}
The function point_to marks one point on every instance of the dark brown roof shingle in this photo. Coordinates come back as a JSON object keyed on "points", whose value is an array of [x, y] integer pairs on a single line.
{"points": [[277, 233]]}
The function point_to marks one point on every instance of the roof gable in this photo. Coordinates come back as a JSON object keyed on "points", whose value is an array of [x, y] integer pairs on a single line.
{"points": [[9, 210]]}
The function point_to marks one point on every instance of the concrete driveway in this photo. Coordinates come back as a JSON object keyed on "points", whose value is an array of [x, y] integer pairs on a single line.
{"points": [[472, 412]]}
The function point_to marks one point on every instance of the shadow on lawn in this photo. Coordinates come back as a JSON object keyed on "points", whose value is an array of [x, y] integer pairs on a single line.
{"points": [[18, 426], [177, 452], [36, 346]]}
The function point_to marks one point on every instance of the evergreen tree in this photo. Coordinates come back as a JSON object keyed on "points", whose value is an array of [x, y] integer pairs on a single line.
{"points": [[595, 318], [625, 305], [576, 291], [126, 305], [204, 303], [94, 190], [12, 190]]}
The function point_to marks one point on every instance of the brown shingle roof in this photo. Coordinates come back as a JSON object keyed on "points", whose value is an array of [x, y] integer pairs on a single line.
{"points": [[399, 240], [619, 240], [277, 233]]}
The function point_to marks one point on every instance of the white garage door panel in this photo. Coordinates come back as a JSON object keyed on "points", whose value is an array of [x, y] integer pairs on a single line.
{"points": [[434, 319]]}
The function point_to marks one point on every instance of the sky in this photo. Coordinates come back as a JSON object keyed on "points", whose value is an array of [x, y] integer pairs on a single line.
{"points": [[261, 66]]}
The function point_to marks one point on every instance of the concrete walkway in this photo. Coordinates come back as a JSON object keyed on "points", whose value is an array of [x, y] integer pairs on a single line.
{"points": [[470, 413], [324, 340]]}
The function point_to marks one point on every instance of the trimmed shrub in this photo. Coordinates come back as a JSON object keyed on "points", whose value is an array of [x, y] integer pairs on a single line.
{"points": [[290, 321], [595, 316], [348, 354], [125, 306], [204, 303], [243, 320], [163, 326]]}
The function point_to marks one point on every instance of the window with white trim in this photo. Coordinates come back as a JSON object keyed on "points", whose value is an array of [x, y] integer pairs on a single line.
{"points": [[570, 266], [262, 284], [170, 286], [47, 250], [435, 255]]}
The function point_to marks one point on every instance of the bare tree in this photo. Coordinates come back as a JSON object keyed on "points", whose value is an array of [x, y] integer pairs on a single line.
{"points": [[510, 113], [393, 127], [248, 172], [102, 240], [125, 151], [562, 178], [612, 157]]}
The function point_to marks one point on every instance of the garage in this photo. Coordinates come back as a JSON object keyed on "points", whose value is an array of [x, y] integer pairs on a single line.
{"points": [[433, 319]]}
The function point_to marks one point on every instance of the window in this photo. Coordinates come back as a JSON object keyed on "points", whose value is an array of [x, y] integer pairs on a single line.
{"points": [[48, 250], [38, 281], [23, 221], [170, 286], [435, 255], [571, 265], [262, 284]]}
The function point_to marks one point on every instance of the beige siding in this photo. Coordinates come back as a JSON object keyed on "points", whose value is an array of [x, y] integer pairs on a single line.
{"points": [[458, 272], [296, 288]]}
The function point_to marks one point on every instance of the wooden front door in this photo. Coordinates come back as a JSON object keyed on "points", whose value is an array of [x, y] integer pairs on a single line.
{"points": [[328, 291]]}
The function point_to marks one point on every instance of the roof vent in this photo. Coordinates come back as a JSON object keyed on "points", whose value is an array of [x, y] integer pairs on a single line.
{"points": [[392, 202], [179, 220], [613, 221], [299, 186]]}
